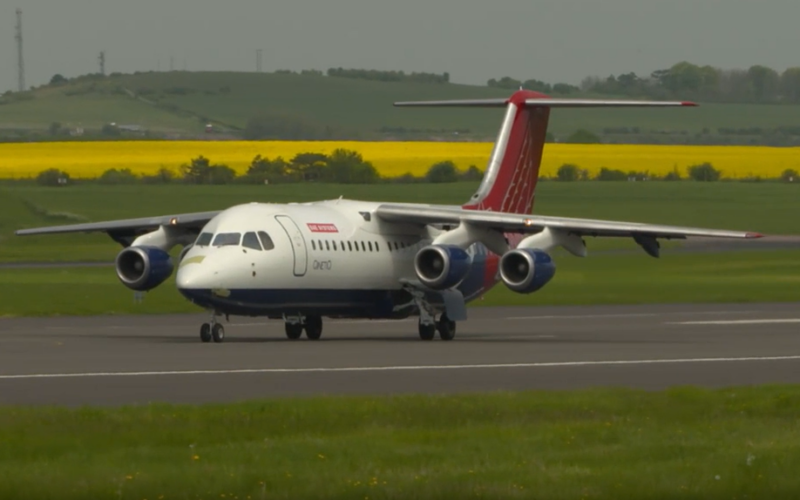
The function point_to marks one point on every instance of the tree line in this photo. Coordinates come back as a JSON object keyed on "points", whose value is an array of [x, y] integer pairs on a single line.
{"points": [[349, 167], [684, 80]]}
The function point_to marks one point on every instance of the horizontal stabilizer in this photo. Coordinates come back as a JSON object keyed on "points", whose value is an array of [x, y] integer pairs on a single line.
{"points": [[545, 102]]}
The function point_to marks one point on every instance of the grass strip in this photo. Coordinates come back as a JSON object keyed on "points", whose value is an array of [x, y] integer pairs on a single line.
{"points": [[594, 444]]}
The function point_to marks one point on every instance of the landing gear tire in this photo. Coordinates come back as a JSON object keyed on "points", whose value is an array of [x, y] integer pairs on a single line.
{"points": [[427, 331], [446, 327], [313, 327], [205, 332], [217, 333], [294, 330]]}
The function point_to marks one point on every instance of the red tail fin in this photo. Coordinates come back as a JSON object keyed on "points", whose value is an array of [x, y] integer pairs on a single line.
{"points": [[509, 184]]}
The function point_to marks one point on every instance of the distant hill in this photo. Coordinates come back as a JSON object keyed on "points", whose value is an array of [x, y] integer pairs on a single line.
{"points": [[181, 104]]}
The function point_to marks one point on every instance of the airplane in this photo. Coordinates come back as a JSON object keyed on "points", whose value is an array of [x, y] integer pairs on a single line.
{"points": [[340, 258]]}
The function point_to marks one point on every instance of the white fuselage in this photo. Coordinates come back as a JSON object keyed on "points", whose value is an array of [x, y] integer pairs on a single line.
{"points": [[329, 256]]}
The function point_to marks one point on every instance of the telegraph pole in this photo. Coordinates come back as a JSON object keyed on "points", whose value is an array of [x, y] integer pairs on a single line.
{"points": [[102, 60], [20, 59]]}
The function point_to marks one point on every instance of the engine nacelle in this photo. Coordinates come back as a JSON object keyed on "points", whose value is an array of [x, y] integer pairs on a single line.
{"points": [[143, 268], [442, 266], [526, 270]]}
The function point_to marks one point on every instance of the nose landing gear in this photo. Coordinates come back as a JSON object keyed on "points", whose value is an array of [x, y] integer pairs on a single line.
{"points": [[212, 331]]}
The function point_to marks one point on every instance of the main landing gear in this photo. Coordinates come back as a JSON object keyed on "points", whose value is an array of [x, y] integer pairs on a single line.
{"points": [[428, 327], [311, 324], [212, 331]]}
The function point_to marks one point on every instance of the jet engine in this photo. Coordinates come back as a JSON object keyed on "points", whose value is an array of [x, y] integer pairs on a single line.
{"points": [[143, 268], [526, 270], [442, 266]]}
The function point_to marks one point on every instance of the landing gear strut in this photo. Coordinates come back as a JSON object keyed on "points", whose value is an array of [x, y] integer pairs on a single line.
{"points": [[212, 331]]}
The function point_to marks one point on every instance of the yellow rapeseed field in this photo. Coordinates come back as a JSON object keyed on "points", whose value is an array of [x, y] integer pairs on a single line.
{"points": [[89, 159]]}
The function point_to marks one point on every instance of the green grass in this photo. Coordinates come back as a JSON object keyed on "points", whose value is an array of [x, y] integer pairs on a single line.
{"points": [[749, 276], [358, 107], [592, 444], [768, 208]]}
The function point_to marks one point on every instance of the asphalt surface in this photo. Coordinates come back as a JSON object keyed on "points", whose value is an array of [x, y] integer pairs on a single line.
{"points": [[140, 359]]}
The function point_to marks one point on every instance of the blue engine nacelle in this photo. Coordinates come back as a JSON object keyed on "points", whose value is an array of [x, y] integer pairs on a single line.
{"points": [[526, 270], [143, 268], [442, 266]]}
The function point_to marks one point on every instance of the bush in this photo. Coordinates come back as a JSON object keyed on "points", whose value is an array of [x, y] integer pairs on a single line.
{"points": [[606, 174], [444, 171], [473, 173], [163, 176], [114, 176], [348, 167], [53, 177], [673, 176], [790, 175], [704, 173], [264, 170], [200, 171], [568, 173]]}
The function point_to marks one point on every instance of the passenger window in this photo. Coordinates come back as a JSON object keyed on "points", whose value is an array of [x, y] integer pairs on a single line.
{"points": [[363, 247], [356, 245], [266, 241], [349, 246], [250, 240], [341, 244], [376, 247], [370, 246], [313, 245], [204, 239], [327, 245], [227, 239], [334, 244]]}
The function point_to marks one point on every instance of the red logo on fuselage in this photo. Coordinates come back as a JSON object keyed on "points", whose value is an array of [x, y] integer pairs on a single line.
{"points": [[322, 228]]}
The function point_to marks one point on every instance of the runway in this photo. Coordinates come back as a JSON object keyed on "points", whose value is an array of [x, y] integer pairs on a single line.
{"points": [[116, 360]]}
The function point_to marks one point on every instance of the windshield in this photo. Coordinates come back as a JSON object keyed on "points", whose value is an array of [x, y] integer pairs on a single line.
{"points": [[204, 239], [250, 240], [266, 240], [227, 239]]}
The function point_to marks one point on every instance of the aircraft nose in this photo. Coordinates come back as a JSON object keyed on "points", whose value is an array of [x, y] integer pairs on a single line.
{"points": [[196, 277]]}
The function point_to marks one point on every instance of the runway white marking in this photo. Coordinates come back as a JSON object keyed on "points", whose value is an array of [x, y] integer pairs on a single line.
{"points": [[739, 322], [556, 364], [628, 315]]}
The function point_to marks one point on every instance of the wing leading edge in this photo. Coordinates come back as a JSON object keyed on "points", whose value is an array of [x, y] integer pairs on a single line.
{"points": [[528, 224], [125, 230]]}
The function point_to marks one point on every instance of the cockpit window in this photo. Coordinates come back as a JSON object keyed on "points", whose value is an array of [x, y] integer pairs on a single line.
{"points": [[250, 240], [204, 239], [266, 240], [227, 239]]}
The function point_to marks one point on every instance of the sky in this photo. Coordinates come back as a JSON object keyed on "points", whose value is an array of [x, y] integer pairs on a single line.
{"points": [[473, 40]]}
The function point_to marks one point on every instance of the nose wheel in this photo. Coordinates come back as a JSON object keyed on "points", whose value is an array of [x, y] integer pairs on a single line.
{"points": [[212, 331]]}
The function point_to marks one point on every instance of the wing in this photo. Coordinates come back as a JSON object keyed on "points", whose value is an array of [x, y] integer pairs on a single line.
{"points": [[126, 230], [531, 224]]}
